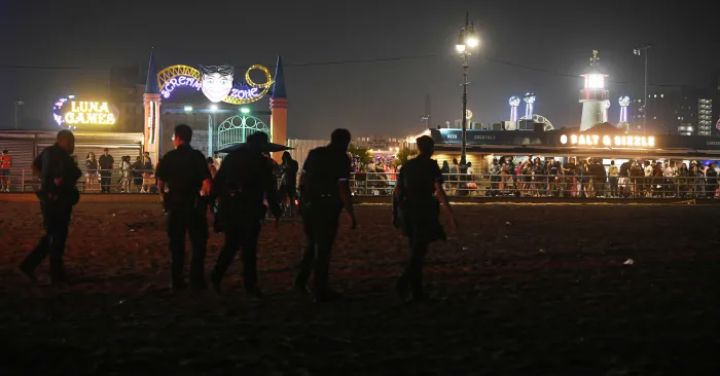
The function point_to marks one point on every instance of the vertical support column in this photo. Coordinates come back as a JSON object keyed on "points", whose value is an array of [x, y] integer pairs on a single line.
{"points": [[278, 124], [151, 128]]}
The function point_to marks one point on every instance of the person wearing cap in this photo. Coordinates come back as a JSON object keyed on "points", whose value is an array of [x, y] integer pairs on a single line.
{"points": [[5, 165], [106, 162], [243, 183], [417, 200], [183, 180], [58, 193], [324, 192]]}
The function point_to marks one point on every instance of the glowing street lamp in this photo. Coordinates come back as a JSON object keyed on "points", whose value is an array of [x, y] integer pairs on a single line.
{"points": [[213, 107], [188, 108], [244, 110], [467, 41]]}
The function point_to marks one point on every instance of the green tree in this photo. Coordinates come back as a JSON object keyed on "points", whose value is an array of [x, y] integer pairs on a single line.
{"points": [[404, 154], [362, 154]]}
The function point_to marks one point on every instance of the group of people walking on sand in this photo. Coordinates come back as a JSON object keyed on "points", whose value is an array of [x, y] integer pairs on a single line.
{"points": [[242, 190]]}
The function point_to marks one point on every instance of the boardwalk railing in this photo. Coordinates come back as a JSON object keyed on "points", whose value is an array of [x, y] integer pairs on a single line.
{"points": [[115, 180], [475, 185], [567, 186]]}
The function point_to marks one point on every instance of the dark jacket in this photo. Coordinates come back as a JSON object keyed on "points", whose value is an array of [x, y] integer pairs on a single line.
{"points": [[54, 163], [106, 162], [183, 170], [244, 181]]}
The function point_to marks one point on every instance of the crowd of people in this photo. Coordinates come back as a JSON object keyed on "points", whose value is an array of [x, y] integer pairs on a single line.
{"points": [[242, 190], [582, 178], [132, 176]]}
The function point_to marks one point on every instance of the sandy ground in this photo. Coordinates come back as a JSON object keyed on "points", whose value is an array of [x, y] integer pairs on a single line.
{"points": [[526, 289]]}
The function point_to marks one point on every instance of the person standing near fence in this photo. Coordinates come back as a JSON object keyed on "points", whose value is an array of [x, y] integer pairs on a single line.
{"points": [[147, 173], [91, 172], [106, 165], [325, 191], [125, 172], [613, 177], [137, 173], [5, 165], [417, 198], [711, 176], [58, 194], [494, 172], [183, 177], [288, 182], [454, 177]]}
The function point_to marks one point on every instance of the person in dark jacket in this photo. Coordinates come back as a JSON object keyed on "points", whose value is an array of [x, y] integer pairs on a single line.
{"points": [[245, 180], [417, 199], [106, 162], [58, 193], [183, 178], [325, 191]]}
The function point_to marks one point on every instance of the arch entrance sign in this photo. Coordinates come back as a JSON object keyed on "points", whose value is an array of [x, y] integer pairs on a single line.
{"points": [[216, 82]]}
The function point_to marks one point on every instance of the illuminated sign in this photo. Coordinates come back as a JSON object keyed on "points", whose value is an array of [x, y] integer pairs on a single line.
{"points": [[607, 140], [217, 82], [70, 112]]}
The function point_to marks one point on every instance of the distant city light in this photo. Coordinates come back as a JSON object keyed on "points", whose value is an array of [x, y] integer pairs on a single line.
{"points": [[213, 107], [188, 108], [245, 110]]}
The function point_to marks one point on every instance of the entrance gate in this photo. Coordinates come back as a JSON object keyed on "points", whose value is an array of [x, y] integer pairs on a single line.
{"points": [[236, 129]]}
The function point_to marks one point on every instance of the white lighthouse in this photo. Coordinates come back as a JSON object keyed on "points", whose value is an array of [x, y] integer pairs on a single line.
{"points": [[594, 97]]}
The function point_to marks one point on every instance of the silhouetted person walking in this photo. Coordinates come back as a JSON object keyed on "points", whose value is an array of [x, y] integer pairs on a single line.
{"points": [[418, 197], [58, 193], [244, 181], [325, 191], [183, 176], [106, 162]]}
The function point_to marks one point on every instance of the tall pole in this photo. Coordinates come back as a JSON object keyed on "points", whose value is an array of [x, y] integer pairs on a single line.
{"points": [[645, 99], [463, 118]]}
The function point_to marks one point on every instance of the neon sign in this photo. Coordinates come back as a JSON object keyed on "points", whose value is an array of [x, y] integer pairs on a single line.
{"points": [[216, 82], [69, 112], [180, 81], [607, 140]]}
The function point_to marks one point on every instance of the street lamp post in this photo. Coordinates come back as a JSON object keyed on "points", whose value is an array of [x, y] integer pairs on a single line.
{"points": [[467, 41], [643, 51]]}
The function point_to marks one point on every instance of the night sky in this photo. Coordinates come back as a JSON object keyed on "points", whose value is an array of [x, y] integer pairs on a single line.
{"points": [[363, 65]]}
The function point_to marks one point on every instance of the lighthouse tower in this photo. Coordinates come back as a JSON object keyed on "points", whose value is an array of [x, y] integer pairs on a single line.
{"points": [[151, 102], [278, 110], [594, 97]]}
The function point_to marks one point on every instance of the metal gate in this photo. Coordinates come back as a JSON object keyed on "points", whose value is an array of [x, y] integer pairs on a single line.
{"points": [[236, 129]]}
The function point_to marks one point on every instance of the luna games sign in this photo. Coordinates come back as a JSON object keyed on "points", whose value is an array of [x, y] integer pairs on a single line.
{"points": [[69, 112], [216, 82]]}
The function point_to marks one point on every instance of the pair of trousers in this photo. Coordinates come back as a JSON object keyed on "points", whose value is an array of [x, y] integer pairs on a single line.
{"points": [[56, 220], [412, 276], [105, 181], [181, 220], [320, 226], [240, 233]]}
